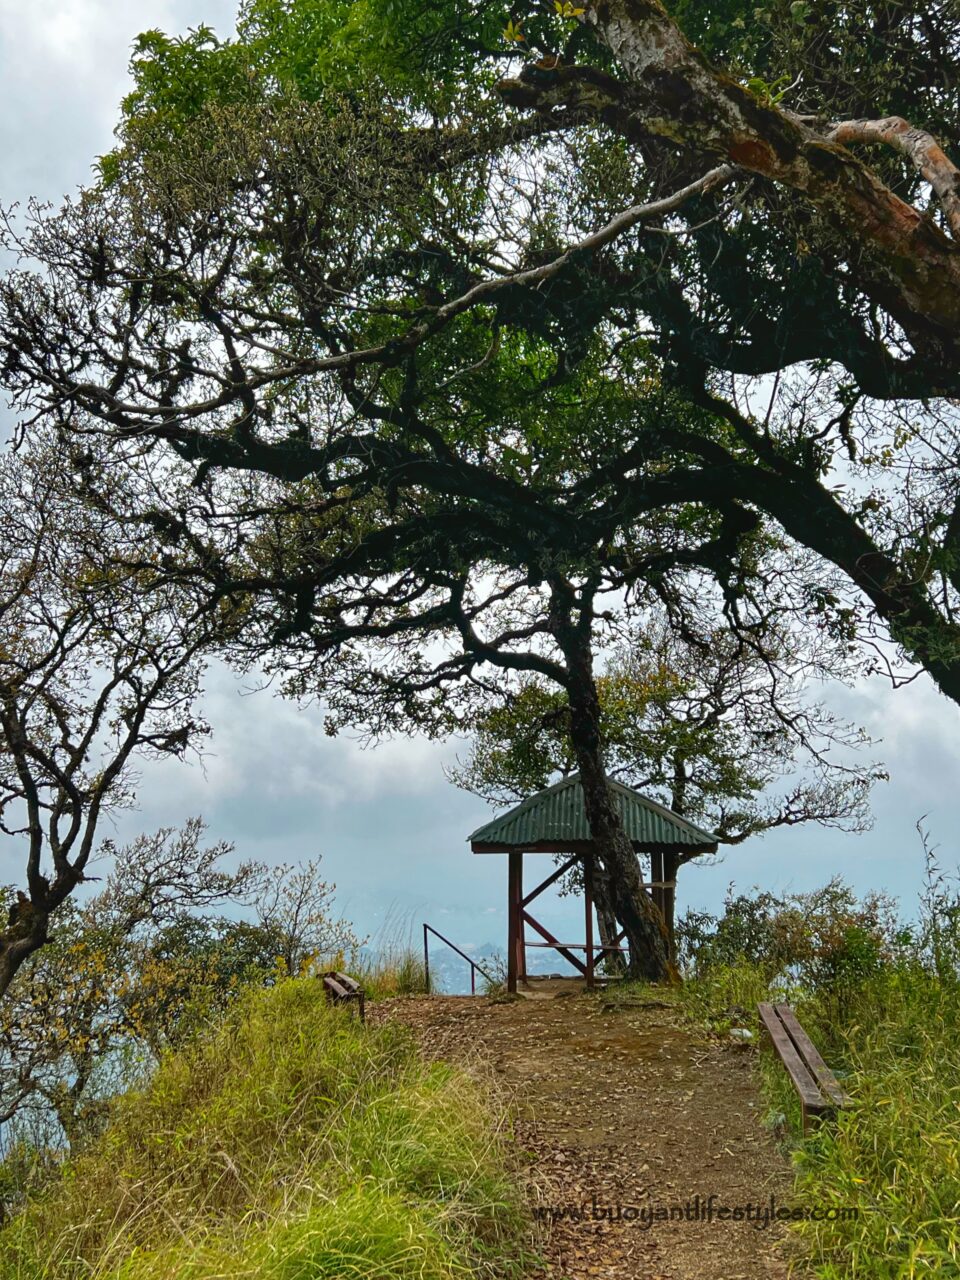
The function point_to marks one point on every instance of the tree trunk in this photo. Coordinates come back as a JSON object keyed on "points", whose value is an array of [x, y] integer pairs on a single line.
{"points": [[646, 934], [607, 924], [26, 933], [671, 864]]}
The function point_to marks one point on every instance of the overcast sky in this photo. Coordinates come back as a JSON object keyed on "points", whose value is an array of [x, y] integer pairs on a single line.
{"points": [[390, 828]]}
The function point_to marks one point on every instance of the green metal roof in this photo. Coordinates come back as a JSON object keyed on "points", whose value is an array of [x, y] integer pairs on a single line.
{"points": [[555, 821]]}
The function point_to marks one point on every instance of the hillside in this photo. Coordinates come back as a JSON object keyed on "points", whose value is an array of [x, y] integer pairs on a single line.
{"points": [[288, 1144]]}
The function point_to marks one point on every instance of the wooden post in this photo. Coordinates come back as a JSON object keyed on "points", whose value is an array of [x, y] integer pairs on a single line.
{"points": [[521, 926], [515, 964], [656, 877], [588, 909]]}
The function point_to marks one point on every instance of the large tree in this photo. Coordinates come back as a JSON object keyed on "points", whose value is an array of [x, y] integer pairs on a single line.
{"points": [[721, 733], [787, 248], [427, 342]]}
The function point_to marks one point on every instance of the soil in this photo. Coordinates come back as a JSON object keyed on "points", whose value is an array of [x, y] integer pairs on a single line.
{"points": [[624, 1113]]}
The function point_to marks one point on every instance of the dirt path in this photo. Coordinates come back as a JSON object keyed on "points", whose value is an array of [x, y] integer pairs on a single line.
{"points": [[623, 1108]]}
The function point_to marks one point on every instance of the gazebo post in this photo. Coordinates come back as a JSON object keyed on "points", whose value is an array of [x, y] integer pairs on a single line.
{"points": [[515, 959], [671, 864], [588, 912], [522, 934]]}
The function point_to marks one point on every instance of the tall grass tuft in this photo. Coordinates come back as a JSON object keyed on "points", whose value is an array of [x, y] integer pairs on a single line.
{"points": [[894, 1156], [394, 965], [291, 1143]]}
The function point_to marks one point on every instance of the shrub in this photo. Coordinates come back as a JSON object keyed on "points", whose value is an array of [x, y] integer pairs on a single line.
{"points": [[821, 942]]}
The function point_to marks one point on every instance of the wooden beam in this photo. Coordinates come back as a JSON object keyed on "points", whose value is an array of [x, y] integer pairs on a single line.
{"points": [[557, 946], [602, 951], [588, 912], [671, 865], [656, 879], [521, 932], [549, 880]]}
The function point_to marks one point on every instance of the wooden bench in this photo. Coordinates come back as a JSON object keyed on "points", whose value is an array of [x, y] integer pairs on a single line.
{"points": [[819, 1090], [342, 989]]}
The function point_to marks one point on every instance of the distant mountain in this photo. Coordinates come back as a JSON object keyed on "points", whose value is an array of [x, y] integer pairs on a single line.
{"points": [[450, 974]]}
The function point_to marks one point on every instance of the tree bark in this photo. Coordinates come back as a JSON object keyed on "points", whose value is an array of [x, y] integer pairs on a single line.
{"points": [[902, 260], [646, 934], [607, 925], [25, 934]]}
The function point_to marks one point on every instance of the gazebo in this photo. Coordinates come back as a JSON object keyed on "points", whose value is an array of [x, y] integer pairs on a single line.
{"points": [[555, 821]]}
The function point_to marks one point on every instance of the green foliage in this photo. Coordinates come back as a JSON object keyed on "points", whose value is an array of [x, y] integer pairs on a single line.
{"points": [[868, 58], [746, 933], [291, 1141], [305, 50], [824, 945]]}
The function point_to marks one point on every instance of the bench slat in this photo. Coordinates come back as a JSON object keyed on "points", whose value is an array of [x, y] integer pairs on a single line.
{"points": [[803, 1081], [343, 989], [827, 1081]]}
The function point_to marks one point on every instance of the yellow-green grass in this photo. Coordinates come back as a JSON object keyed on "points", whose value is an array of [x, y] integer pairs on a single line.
{"points": [[290, 1143], [894, 1156], [395, 971]]}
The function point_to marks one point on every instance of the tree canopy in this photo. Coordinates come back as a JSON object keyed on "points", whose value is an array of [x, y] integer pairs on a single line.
{"points": [[717, 734], [418, 326]]}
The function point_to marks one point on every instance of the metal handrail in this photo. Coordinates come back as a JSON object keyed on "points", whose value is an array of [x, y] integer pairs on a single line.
{"points": [[428, 928]]}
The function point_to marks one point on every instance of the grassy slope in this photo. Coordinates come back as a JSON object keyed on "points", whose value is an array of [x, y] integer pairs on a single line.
{"points": [[291, 1144]]}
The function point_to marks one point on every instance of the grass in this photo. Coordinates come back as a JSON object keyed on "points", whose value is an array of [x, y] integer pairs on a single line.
{"points": [[398, 971], [289, 1144], [395, 967], [893, 1157]]}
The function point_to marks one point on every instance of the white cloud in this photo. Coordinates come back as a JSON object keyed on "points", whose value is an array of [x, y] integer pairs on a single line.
{"points": [[63, 66]]}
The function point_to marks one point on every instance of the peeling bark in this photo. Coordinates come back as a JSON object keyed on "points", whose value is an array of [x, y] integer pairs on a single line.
{"points": [[920, 148], [901, 258]]}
